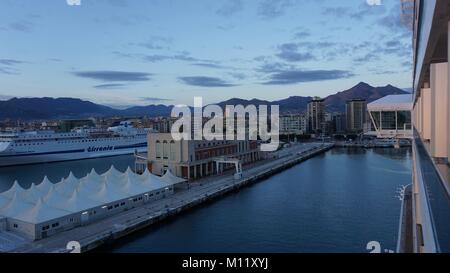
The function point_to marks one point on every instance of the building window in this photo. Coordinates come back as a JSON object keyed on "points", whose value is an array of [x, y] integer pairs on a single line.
{"points": [[388, 120], [158, 149], [165, 150], [15, 226], [376, 118], [172, 150], [404, 120]]}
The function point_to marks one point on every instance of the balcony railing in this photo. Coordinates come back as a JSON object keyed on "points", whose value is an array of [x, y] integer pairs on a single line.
{"points": [[434, 195]]}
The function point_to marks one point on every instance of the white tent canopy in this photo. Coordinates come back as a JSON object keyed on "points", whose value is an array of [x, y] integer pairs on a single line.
{"points": [[170, 178], [48, 201]]}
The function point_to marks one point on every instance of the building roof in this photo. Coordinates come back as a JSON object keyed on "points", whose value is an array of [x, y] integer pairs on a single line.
{"points": [[48, 201], [392, 103]]}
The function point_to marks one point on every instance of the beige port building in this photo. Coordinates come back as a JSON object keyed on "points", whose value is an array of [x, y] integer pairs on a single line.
{"points": [[195, 159]]}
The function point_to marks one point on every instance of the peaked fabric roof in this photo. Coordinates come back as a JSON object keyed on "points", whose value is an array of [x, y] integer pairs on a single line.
{"points": [[170, 178], [46, 201]]}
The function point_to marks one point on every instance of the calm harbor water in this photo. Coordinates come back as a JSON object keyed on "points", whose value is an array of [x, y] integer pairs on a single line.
{"points": [[335, 202]]}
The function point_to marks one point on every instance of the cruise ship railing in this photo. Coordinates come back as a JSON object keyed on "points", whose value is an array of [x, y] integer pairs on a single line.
{"points": [[434, 200]]}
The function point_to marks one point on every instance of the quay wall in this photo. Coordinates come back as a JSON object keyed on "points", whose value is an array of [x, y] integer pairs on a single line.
{"points": [[146, 220]]}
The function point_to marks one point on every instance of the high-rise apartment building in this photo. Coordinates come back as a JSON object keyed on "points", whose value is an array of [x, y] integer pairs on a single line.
{"points": [[316, 115], [355, 111], [293, 124]]}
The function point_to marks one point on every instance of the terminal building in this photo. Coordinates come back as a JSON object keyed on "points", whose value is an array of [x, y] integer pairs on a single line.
{"points": [[391, 117], [46, 209], [194, 159]]}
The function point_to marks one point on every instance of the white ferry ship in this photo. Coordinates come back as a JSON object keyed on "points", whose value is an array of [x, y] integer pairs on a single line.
{"points": [[19, 148]]}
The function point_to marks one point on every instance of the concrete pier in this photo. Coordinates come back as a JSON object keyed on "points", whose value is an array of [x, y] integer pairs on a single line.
{"points": [[107, 230]]}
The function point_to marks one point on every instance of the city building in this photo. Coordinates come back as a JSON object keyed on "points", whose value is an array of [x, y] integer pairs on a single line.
{"points": [[316, 115], [162, 124], [68, 125], [193, 159], [47, 209], [355, 111], [339, 123], [293, 124], [391, 117], [425, 222]]}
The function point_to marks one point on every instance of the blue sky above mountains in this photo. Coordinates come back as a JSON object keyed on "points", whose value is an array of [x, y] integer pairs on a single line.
{"points": [[123, 53]]}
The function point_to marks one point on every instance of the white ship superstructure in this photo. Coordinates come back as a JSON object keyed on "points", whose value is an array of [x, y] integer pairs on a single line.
{"points": [[18, 148]]}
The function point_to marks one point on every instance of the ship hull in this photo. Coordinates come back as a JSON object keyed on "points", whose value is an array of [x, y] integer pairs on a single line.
{"points": [[58, 156]]}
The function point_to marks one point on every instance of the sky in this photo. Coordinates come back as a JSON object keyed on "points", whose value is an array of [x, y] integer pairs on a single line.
{"points": [[139, 52]]}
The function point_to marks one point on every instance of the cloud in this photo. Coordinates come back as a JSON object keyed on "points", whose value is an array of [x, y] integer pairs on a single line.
{"points": [[9, 71], [366, 10], [155, 42], [237, 75], [7, 66], [271, 9], [212, 65], [301, 76], [230, 7], [10, 62], [5, 97], [124, 21], [335, 11], [289, 52], [114, 76], [203, 81], [369, 57], [302, 34], [110, 86], [183, 57], [155, 100], [22, 26]]}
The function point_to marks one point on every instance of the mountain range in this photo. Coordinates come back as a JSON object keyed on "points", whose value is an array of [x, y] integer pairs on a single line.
{"points": [[66, 108]]}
